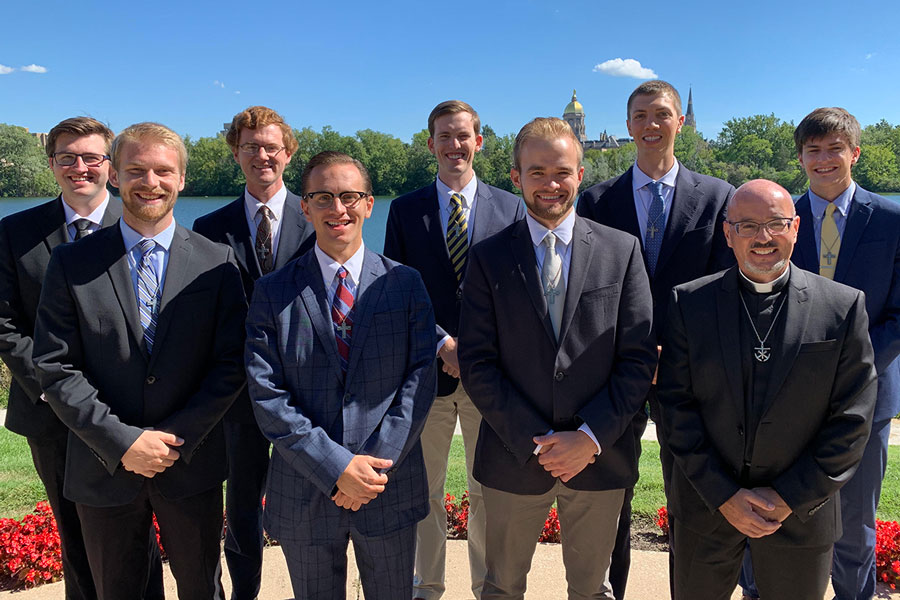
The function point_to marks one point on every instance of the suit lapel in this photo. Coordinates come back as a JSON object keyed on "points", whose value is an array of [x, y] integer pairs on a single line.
{"points": [[176, 269], [857, 220], [484, 215], [54, 225], [729, 315], [579, 267], [317, 303], [434, 231], [113, 212], [681, 214], [806, 239], [293, 228], [523, 253], [368, 293], [120, 274], [238, 235], [624, 215]]}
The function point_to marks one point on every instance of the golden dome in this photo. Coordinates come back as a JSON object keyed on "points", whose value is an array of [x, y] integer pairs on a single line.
{"points": [[574, 106]]}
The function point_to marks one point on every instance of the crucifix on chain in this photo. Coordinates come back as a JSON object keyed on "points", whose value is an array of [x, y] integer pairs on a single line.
{"points": [[652, 230], [551, 294], [762, 352], [829, 257], [344, 329], [151, 304]]}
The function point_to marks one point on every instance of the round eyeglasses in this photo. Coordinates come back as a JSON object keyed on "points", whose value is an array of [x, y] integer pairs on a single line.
{"points": [[326, 199]]}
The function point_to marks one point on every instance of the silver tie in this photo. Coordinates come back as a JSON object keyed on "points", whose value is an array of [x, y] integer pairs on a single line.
{"points": [[553, 282]]}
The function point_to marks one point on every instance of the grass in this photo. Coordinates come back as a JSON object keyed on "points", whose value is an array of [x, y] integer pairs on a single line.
{"points": [[20, 488]]}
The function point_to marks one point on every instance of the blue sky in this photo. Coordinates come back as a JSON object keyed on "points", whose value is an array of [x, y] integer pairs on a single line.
{"points": [[383, 65]]}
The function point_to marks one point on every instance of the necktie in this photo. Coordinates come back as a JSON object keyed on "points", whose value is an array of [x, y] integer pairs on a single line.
{"points": [[148, 293], [553, 282], [342, 317], [829, 245], [457, 236], [82, 228], [654, 235], [264, 240]]}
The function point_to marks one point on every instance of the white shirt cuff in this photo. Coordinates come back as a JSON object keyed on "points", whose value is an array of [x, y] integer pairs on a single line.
{"points": [[584, 427], [441, 344]]}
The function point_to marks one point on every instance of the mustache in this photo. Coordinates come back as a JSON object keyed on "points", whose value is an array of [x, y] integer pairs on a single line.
{"points": [[766, 246]]}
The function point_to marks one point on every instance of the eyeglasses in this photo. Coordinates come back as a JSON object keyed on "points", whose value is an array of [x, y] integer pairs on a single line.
{"points": [[272, 150], [749, 229], [326, 199], [67, 159]]}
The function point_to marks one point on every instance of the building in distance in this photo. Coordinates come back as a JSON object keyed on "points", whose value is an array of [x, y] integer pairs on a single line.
{"points": [[574, 116]]}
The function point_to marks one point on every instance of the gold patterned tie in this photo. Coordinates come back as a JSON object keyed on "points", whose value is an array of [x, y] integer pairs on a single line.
{"points": [[457, 236], [829, 245]]}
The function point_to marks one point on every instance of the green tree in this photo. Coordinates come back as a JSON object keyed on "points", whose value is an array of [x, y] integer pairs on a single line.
{"points": [[24, 170], [494, 161], [692, 150], [212, 170], [877, 169], [386, 159], [421, 166]]}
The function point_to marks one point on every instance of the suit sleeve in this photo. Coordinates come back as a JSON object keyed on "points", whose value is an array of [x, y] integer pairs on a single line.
{"points": [[585, 206], [682, 423], [721, 256], [404, 420], [15, 337], [612, 410], [59, 359], [885, 331], [225, 378], [831, 458], [306, 447]]}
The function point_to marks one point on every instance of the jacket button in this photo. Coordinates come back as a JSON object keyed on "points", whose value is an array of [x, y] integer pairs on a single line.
{"points": [[741, 431], [458, 294], [559, 376], [151, 379], [347, 397]]}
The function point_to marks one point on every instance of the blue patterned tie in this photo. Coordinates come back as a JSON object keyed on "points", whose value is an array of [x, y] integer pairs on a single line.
{"points": [[148, 292], [655, 224]]}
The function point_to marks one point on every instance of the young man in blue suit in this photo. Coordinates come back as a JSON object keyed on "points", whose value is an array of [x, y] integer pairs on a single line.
{"points": [[340, 360], [421, 233], [266, 229]]}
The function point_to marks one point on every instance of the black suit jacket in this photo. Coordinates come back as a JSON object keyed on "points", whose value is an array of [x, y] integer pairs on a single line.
{"points": [[416, 238], [693, 242], [228, 225], [815, 419], [97, 376], [525, 383], [26, 240]]}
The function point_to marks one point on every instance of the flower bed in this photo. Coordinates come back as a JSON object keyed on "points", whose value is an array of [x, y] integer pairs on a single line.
{"points": [[29, 550], [887, 553], [458, 520]]}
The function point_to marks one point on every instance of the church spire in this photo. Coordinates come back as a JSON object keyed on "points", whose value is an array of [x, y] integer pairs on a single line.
{"points": [[689, 115]]}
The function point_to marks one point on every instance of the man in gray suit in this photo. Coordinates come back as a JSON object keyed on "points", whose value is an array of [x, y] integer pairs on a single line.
{"points": [[138, 347], [555, 351], [340, 365]]}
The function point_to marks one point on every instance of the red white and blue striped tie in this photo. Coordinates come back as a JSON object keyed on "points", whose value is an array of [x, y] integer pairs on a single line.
{"points": [[342, 317]]}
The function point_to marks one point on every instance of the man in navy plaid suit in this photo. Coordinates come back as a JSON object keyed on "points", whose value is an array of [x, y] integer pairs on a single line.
{"points": [[340, 360]]}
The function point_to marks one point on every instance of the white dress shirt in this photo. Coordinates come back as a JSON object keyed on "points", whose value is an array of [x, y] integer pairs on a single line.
{"points": [[95, 217], [329, 268], [251, 213]]}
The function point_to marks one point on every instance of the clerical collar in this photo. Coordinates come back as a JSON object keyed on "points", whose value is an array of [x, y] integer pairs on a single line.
{"points": [[765, 288]]}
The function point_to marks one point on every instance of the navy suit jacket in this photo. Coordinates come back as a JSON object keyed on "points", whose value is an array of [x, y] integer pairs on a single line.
{"points": [[228, 225], [869, 260], [693, 242], [317, 420], [415, 237], [525, 383], [26, 240]]}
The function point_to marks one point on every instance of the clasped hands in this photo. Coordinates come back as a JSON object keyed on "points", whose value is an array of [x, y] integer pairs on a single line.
{"points": [[360, 483], [152, 453], [564, 454], [756, 513]]}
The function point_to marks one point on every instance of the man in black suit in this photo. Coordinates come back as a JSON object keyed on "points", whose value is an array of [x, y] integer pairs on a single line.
{"points": [[266, 229], [767, 389], [78, 154], [427, 231], [138, 343], [556, 352], [678, 215]]}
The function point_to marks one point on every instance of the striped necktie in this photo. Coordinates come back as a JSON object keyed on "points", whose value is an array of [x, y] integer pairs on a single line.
{"points": [[457, 236], [829, 244], [342, 318], [148, 292]]}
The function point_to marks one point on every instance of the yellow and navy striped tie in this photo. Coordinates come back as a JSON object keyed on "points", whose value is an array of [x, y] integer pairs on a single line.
{"points": [[457, 236]]}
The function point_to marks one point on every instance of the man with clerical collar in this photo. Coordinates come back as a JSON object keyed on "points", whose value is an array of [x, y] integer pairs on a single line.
{"points": [[853, 236], [766, 389], [431, 229]]}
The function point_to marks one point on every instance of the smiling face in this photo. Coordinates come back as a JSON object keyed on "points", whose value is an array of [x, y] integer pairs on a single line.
{"points": [[338, 228], [762, 258], [549, 177], [263, 173], [149, 179], [454, 144], [83, 187], [828, 161], [653, 123]]}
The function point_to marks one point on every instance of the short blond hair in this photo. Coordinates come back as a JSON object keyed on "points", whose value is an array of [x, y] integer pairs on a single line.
{"points": [[548, 129], [257, 117], [147, 131]]}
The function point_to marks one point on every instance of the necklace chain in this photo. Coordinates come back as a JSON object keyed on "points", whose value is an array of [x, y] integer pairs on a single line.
{"points": [[762, 351]]}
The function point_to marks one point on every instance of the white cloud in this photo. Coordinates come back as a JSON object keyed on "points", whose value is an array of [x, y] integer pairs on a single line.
{"points": [[237, 91], [870, 55], [218, 83], [4, 69], [33, 68], [628, 67]]}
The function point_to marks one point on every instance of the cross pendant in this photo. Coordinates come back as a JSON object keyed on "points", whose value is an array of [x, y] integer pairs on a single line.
{"points": [[652, 231], [551, 294], [151, 304], [344, 329], [829, 256], [762, 353], [263, 252], [456, 230]]}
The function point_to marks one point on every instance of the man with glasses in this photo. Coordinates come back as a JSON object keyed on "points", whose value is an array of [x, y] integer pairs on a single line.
{"points": [[266, 228], [340, 368], [78, 154], [766, 389]]}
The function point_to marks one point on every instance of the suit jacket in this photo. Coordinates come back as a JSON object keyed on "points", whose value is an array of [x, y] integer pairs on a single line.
{"points": [[416, 238], [94, 368], [869, 260], [814, 420], [317, 420], [228, 225], [693, 241], [525, 383], [26, 240]]}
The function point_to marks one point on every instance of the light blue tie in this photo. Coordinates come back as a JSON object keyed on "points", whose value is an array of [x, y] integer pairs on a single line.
{"points": [[655, 224], [148, 292]]}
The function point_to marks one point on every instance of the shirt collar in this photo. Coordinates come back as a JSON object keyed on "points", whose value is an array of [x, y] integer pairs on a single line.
{"points": [[275, 203], [841, 204], [767, 288], [95, 217], [468, 192], [132, 238], [329, 266], [639, 179], [563, 231]]}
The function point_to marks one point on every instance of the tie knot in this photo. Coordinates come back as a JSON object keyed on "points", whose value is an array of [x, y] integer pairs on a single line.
{"points": [[341, 273], [829, 210], [550, 241], [265, 212], [147, 246], [81, 224], [656, 188], [456, 200]]}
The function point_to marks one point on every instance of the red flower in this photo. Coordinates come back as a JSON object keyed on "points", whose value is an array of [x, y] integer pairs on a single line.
{"points": [[887, 552], [662, 520]]}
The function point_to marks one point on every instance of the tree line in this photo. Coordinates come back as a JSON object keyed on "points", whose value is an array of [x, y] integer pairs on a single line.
{"points": [[759, 146]]}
